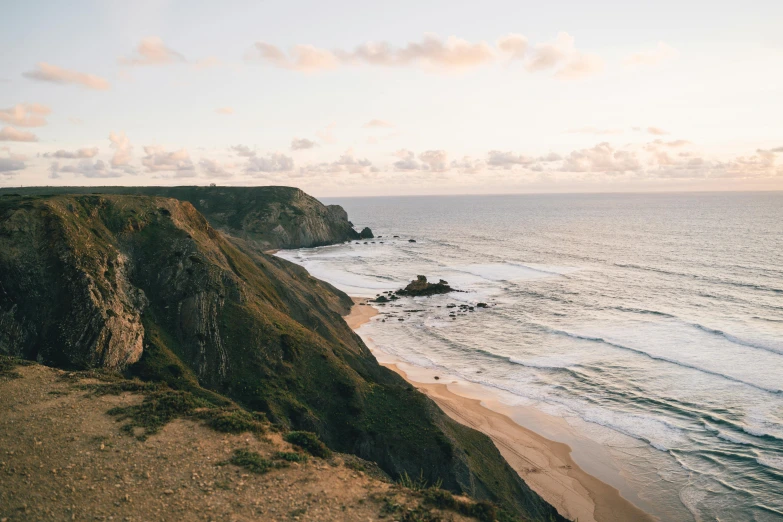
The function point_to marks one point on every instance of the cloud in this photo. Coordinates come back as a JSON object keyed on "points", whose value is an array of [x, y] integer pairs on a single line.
{"points": [[594, 130], [25, 115], [51, 73], [302, 57], [407, 160], [85, 168], [156, 159], [274, 162], [12, 134], [302, 144], [78, 154], [601, 158], [435, 53], [660, 54], [215, 169], [152, 51], [561, 56], [122, 149], [431, 160], [435, 160], [514, 45], [507, 160], [327, 135], [378, 124], [657, 131], [468, 165], [8, 165], [244, 151], [224, 110], [347, 162]]}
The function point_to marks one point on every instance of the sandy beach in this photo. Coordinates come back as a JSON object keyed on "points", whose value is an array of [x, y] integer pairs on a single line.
{"points": [[545, 465]]}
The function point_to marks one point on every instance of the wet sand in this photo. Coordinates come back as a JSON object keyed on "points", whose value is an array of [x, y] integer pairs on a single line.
{"points": [[546, 465]]}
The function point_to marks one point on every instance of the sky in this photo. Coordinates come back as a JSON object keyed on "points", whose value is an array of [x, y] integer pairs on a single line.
{"points": [[349, 98]]}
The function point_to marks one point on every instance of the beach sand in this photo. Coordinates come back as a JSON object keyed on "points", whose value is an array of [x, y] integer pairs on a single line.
{"points": [[545, 465]]}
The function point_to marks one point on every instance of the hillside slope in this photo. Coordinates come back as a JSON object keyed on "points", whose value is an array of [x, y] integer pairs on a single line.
{"points": [[57, 437], [266, 217], [147, 286]]}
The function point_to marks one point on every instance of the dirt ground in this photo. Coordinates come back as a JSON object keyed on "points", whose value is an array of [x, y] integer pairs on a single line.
{"points": [[63, 458]]}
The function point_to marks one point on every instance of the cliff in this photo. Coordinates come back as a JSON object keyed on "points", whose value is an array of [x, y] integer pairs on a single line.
{"points": [[266, 217], [147, 286]]}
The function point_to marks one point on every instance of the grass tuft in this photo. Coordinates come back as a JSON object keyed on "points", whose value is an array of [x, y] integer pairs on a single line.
{"points": [[442, 499]]}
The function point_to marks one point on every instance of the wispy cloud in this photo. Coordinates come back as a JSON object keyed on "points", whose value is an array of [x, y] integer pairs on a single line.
{"points": [[12, 134], [54, 74], [224, 110], [378, 124], [85, 168], [435, 53], [656, 131], [152, 51], [594, 130], [77, 154], [660, 54], [563, 58], [26, 115]]}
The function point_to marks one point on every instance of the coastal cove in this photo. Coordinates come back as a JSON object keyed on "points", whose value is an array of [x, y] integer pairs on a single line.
{"points": [[631, 328], [547, 466]]}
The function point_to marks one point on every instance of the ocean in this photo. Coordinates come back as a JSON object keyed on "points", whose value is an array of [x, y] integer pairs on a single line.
{"points": [[651, 324]]}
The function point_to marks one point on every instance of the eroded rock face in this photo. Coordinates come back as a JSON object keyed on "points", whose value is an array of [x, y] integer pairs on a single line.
{"points": [[63, 300]]}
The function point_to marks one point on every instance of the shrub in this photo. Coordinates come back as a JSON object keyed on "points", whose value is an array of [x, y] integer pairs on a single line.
{"points": [[309, 442], [251, 461]]}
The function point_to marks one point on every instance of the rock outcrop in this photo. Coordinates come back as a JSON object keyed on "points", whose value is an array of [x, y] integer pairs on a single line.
{"points": [[366, 233], [147, 286], [420, 287], [266, 217]]}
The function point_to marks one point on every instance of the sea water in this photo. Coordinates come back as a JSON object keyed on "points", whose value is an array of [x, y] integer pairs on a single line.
{"points": [[652, 324]]}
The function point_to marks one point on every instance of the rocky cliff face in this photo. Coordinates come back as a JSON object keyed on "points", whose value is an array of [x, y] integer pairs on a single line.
{"points": [[266, 217], [147, 286]]}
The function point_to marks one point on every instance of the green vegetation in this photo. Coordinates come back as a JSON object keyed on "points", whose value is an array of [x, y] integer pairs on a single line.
{"points": [[290, 456], [309, 442], [417, 484], [145, 288], [161, 406], [251, 461], [439, 498]]}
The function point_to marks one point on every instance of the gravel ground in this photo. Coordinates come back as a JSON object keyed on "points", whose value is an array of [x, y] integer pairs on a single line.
{"points": [[63, 458]]}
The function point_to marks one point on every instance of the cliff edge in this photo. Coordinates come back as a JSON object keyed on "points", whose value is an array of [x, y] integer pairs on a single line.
{"points": [[267, 217], [146, 286]]}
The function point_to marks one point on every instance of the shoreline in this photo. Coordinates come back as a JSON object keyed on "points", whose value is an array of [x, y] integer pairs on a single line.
{"points": [[545, 465]]}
